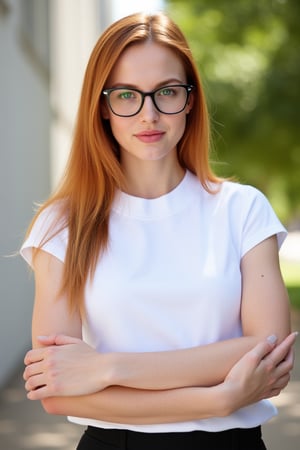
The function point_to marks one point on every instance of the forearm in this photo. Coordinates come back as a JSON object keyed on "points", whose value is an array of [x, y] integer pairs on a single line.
{"points": [[132, 406], [261, 373], [202, 366]]}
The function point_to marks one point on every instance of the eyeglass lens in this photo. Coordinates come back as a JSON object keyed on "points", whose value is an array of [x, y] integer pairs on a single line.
{"points": [[168, 99]]}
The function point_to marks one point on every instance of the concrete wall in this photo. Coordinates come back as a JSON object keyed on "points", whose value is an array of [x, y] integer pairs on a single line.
{"points": [[39, 94], [73, 34], [44, 48], [24, 174]]}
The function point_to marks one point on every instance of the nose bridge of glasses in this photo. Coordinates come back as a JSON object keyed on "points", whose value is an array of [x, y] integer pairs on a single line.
{"points": [[149, 103]]}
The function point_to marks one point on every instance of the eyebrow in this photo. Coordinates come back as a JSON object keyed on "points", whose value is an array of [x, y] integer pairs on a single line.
{"points": [[169, 81]]}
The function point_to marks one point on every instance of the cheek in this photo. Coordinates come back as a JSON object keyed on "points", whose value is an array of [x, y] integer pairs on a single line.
{"points": [[179, 127], [119, 128]]}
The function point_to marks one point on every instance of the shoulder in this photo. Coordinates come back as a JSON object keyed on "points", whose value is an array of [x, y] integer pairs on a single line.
{"points": [[235, 190], [48, 231], [246, 201], [252, 213], [241, 198], [229, 193], [50, 221], [227, 196]]}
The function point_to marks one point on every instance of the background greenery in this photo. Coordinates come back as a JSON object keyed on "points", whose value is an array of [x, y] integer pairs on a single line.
{"points": [[291, 275], [248, 54]]}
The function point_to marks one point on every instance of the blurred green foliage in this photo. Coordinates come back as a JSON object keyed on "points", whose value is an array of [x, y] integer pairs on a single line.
{"points": [[291, 275], [248, 54]]}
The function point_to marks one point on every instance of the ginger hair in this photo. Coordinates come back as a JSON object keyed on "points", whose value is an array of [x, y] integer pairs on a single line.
{"points": [[93, 172]]}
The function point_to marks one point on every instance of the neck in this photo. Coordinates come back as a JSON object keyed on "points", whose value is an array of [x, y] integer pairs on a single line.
{"points": [[151, 179]]}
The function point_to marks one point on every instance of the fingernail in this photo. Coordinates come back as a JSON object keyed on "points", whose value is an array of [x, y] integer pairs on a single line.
{"points": [[272, 339], [296, 333], [42, 338]]}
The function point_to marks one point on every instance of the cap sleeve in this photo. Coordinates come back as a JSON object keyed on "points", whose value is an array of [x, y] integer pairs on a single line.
{"points": [[48, 233], [260, 221]]}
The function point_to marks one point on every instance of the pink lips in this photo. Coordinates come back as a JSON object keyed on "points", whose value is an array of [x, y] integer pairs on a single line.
{"points": [[150, 136]]}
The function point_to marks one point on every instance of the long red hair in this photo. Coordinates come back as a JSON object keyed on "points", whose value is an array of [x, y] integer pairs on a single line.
{"points": [[93, 172]]}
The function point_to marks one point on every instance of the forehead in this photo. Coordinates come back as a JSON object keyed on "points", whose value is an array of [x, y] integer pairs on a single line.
{"points": [[145, 65]]}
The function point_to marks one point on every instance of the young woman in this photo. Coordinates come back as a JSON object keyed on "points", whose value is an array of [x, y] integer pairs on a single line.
{"points": [[161, 319]]}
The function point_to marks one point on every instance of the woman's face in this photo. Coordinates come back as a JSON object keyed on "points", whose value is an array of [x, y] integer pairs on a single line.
{"points": [[149, 135]]}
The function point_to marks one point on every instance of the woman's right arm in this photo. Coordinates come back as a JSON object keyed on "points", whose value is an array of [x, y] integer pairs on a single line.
{"points": [[51, 317], [261, 373], [64, 365]]}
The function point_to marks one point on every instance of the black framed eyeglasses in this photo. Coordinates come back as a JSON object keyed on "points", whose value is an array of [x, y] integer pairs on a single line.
{"points": [[127, 102]]}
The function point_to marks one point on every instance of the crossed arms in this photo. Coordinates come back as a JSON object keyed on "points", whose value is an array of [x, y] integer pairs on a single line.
{"points": [[71, 378]]}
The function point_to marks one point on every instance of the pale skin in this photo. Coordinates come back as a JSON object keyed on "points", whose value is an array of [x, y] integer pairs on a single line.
{"points": [[71, 378]]}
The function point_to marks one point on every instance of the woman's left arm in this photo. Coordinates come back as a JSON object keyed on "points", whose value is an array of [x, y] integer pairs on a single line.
{"points": [[264, 312], [265, 304]]}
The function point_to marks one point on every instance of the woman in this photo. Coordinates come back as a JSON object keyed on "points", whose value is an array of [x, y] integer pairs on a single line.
{"points": [[157, 283]]}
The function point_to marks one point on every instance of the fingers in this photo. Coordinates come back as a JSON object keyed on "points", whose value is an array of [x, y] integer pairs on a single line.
{"points": [[262, 349], [34, 382], [33, 356], [283, 352], [57, 339], [268, 351], [279, 364], [281, 372], [32, 369], [277, 387], [37, 354], [282, 382], [38, 394], [290, 357], [46, 370], [286, 365], [47, 340]]}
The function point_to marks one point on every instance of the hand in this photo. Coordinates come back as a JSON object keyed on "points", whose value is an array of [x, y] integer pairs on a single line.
{"points": [[64, 366], [262, 373]]}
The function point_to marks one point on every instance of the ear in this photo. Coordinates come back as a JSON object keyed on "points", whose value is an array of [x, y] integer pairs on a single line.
{"points": [[190, 103]]}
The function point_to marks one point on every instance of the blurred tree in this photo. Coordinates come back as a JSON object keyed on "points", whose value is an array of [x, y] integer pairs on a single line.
{"points": [[249, 56]]}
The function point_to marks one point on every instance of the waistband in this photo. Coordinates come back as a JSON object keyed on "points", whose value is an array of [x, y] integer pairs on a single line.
{"points": [[233, 439]]}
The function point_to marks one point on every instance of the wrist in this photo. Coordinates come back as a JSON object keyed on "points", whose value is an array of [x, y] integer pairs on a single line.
{"points": [[224, 400], [213, 401], [112, 369]]}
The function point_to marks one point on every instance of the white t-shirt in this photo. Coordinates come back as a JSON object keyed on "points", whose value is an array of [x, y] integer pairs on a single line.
{"points": [[171, 278]]}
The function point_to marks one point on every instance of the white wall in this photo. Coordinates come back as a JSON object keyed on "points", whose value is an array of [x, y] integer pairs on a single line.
{"points": [[24, 163], [73, 34], [38, 105]]}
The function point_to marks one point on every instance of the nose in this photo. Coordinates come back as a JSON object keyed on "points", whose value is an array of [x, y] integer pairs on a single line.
{"points": [[149, 113]]}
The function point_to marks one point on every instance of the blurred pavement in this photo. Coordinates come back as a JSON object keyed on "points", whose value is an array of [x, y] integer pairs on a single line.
{"points": [[24, 425], [283, 432]]}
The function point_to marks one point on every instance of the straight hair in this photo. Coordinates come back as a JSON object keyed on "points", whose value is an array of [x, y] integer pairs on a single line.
{"points": [[93, 172]]}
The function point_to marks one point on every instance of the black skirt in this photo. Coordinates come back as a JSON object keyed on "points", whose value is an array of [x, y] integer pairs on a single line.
{"points": [[235, 439]]}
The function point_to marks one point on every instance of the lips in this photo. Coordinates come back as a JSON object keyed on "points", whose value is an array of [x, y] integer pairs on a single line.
{"points": [[150, 136]]}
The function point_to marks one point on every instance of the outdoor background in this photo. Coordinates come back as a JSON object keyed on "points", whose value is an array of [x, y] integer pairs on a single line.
{"points": [[248, 53]]}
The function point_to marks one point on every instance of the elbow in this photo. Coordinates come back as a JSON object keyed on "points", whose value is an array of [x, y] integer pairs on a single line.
{"points": [[285, 328], [52, 405]]}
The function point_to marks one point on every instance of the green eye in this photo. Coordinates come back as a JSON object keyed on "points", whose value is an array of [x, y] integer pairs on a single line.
{"points": [[126, 95], [166, 92]]}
